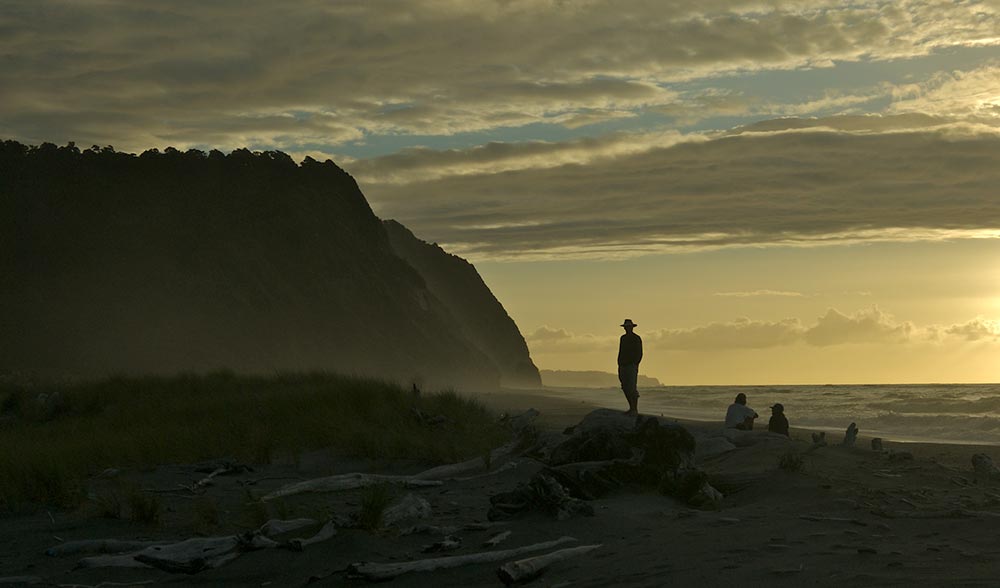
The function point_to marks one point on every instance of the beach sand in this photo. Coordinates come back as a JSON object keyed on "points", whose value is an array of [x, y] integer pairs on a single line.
{"points": [[914, 513]]}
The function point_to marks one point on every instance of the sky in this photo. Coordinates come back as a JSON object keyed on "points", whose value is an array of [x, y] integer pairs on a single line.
{"points": [[800, 191]]}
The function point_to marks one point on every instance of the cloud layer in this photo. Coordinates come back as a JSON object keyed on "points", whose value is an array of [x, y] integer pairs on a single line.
{"points": [[297, 75], [790, 181], [869, 326]]}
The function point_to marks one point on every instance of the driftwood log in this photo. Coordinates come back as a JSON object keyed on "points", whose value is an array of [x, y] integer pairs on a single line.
{"points": [[348, 482], [99, 546], [124, 560], [822, 519], [279, 527], [20, 580], [377, 572], [526, 569], [519, 424], [327, 531], [449, 543], [446, 530], [432, 477], [196, 554], [471, 466], [408, 508], [201, 553], [496, 539]]}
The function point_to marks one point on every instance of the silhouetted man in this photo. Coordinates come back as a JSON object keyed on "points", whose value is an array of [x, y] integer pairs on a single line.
{"points": [[629, 356]]}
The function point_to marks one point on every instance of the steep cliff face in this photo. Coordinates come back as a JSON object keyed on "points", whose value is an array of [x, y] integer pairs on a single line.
{"points": [[175, 261], [477, 313]]}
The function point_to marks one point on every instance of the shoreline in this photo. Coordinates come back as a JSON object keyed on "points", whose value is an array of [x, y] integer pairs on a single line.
{"points": [[559, 411]]}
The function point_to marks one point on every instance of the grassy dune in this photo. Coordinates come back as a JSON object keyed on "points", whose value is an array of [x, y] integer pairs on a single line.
{"points": [[48, 447]]}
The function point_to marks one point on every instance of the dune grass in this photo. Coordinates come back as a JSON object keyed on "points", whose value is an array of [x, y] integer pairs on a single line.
{"points": [[50, 444]]}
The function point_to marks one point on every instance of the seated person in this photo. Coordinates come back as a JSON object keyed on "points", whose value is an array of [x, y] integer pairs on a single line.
{"points": [[740, 416], [778, 423]]}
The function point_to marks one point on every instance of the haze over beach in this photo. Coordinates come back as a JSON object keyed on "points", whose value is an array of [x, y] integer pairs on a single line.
{"points": [[333, 292]]}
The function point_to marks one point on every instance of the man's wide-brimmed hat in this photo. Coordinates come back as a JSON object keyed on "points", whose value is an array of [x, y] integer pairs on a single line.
{"points": [[629, 323], [778, 407]]}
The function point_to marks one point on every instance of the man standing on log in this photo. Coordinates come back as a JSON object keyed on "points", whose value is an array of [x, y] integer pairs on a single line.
{"points": [[629, 356]]}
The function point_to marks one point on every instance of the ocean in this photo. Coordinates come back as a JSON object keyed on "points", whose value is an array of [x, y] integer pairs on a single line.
{"points": [[937, 413]]}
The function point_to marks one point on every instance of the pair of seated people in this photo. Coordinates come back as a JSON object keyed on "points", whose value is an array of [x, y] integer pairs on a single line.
{"points": [[740, 416]]}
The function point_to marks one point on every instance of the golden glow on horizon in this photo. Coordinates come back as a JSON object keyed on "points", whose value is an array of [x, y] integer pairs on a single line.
{"points": [[880, 313]]}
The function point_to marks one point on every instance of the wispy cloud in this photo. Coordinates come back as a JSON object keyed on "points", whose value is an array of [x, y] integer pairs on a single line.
{"points": [[785, 182], [755, 293], [867, 326]]}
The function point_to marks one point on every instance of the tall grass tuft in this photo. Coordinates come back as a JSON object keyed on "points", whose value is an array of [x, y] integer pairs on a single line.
{"points": [[129, 422], [791, 462], [374, 500], [144, 508]]}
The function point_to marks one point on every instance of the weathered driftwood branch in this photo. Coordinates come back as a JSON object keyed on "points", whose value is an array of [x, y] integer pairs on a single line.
{"points": [[16, 580], [124, 560], [104, 584], [532, 567], [449, 543], [98, 546], [348, 482], [327, 531], [431, 477], [222, 470], [194, 555], [492, 472], [201, 553], [409, 507], [280, 527], [475, 464], [820, 519], [446, 530], [387, 571], [496, 539]]}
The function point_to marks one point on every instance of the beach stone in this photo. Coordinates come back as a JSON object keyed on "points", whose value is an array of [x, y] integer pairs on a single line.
{"points": [[877, 444]]}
